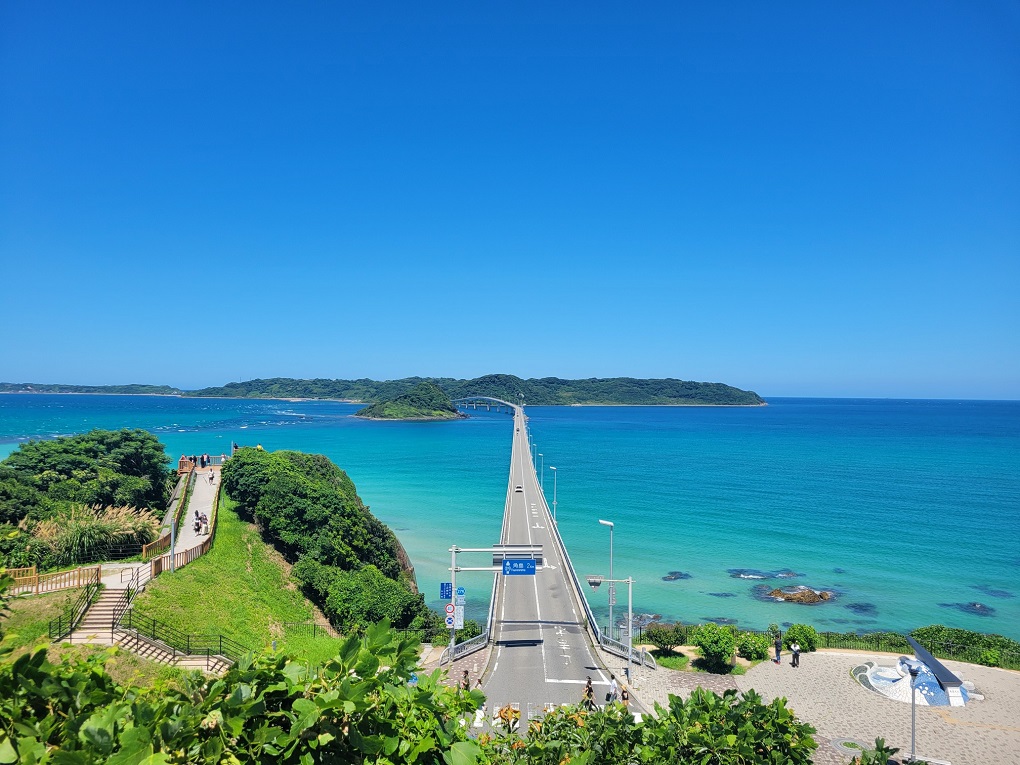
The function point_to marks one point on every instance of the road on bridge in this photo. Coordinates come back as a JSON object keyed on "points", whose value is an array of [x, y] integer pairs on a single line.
{"points": [[541, 653]]}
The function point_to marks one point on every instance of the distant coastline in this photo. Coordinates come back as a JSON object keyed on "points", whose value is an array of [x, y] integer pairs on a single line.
{"points": [[548, 391]]}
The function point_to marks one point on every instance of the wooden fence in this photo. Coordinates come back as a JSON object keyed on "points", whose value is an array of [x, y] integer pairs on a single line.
{"points": [[35, 584], [18, 573]]}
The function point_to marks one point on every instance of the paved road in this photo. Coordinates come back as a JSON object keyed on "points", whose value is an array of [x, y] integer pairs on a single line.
{"points": [[541, 653]]}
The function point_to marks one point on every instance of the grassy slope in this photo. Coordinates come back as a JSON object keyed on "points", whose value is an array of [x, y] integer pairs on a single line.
{"points": [[26, 627], [240, 589]]}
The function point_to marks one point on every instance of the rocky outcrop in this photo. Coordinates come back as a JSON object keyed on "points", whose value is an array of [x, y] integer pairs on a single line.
{"points": [[800, 594]]}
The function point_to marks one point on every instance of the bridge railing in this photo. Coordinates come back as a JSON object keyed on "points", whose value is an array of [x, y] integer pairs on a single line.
{"points": [[616, 647]]}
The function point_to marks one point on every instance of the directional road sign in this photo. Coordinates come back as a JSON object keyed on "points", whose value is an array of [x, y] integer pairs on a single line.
{"points": [[445, 590], [519, 567], [461, 591]]}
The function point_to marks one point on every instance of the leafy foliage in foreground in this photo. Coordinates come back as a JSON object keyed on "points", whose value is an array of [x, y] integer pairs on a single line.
{"points": [[360, 708]]}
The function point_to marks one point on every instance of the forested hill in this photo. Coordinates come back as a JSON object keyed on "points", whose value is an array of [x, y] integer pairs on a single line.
{"points": [[134, 390], [425, 401], [546, 391]]}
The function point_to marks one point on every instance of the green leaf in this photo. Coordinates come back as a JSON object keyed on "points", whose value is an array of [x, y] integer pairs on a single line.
{"points": [[7, 751], [462, 753]]}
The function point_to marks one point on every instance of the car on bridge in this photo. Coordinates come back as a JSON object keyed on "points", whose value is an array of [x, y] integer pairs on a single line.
{"points": [[518, 488]]}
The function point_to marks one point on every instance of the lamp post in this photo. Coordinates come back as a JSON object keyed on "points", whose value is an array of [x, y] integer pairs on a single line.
{"points": [[612, 586], [542, 471], [554, 491], [595, 580], [914, 670]]}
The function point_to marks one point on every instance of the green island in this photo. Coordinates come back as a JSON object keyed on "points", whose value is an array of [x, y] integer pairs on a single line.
{"points": [[425, 401], [545, 391]]}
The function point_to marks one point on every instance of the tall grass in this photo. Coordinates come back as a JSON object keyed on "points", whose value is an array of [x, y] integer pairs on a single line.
{"points": [[85, 534]]}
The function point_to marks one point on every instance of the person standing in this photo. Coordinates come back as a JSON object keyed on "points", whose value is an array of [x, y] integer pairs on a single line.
{"points": [[625, 696], [795, 647], [465, 681], [779, 647], [614, 690]]}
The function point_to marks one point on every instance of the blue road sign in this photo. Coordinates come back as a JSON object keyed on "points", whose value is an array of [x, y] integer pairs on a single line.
{"points": [[445, 590], [461, 591], [522, 567]]}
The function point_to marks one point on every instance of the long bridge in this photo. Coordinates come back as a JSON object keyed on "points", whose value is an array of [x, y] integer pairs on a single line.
{"points": [[541, 630]]}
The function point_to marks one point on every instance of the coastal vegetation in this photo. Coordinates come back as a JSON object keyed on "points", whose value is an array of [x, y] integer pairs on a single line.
{"points": [[348, 562], [425, 401], [74, 499], [547, 391]]}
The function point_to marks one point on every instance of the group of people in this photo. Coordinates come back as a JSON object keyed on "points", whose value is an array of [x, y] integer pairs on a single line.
{"points": [[616, 693], [203, 460], [201, 523], [794, 650]]}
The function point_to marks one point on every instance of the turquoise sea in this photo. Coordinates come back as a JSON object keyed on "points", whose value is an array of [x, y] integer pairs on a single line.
{"points": [[909, 510]]}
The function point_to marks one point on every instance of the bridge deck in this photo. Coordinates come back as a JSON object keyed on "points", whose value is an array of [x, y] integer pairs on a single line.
{"points": [[542, 652]]}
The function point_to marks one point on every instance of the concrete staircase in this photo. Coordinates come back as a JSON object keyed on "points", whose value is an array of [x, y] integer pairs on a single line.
{"points": [[96, 628]]}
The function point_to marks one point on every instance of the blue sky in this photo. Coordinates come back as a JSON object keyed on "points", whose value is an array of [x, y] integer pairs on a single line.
{"points": [[795, 198]]}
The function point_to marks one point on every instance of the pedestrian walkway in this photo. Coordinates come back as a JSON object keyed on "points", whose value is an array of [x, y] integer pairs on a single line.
{"points": [[96, 626], [822, 692]]}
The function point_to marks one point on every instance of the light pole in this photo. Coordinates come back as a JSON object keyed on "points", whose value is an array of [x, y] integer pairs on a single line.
{"points": [[554, 490], [542, 472], [913, 669], [595, 580], [612, 584]]}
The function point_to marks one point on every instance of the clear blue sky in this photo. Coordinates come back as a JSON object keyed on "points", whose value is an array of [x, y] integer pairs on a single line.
{"points": [[795, 198]]}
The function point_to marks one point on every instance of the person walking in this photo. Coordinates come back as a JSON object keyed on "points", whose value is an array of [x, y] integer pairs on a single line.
{"points": [[779, 647], [465, 681], [625, 696], [614, 690], [795, 647], [588, 695]]}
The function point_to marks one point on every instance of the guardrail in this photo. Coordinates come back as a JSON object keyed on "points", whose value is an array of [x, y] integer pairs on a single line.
{"points": [[173, 514], [64, 624], [640, 657]]}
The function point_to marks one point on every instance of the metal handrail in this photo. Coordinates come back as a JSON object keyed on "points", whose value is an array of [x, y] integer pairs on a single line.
{"points": [[62, 627]]}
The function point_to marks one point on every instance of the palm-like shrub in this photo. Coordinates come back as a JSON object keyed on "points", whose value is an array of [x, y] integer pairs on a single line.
{"points": [[86, 534]]}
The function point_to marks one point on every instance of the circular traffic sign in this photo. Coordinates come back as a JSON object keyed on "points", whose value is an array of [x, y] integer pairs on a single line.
{"points": [[449, 621], [449, 608]]}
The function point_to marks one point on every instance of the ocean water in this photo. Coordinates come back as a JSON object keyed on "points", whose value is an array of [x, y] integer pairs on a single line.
{"points": [[908, 510]]}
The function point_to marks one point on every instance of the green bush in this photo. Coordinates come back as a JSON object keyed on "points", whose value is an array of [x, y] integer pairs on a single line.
{"points": [[716, 644], [752, 646], [990, 657], [804, 634], [665, 637]]}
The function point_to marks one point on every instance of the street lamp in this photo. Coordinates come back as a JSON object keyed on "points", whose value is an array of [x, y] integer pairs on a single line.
{"points": [[612, 588], [594, 581], [554, 490], [542, 472]]}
